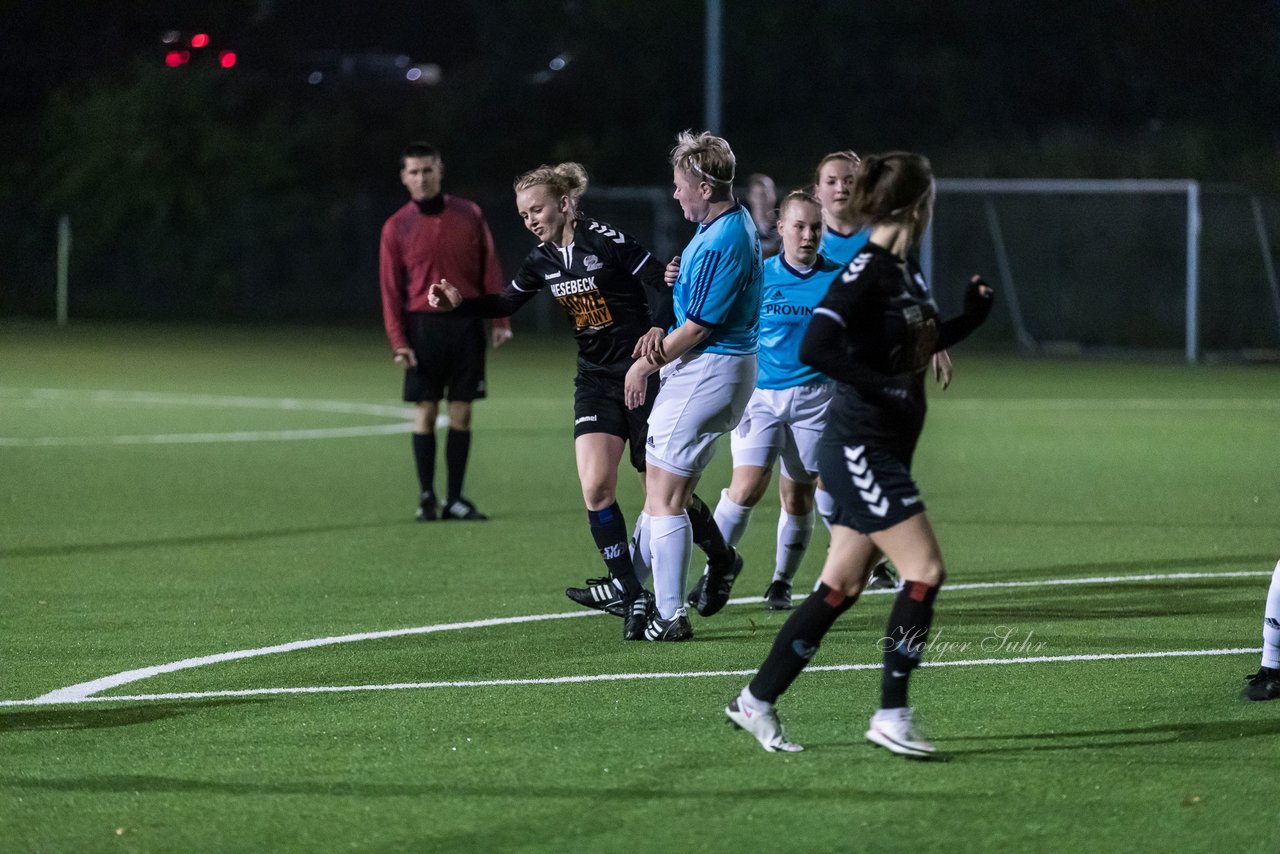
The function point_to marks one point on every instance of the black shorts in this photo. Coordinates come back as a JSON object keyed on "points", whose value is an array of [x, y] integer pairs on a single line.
{"points": [[598, 407], [450, 354], [872, 486]]}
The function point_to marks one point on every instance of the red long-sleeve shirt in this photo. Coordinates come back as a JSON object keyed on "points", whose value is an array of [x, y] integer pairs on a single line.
{"points": [[419, 249]]}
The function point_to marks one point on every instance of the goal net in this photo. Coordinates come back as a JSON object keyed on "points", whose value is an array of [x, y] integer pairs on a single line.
{"points": [[1095, 265]]}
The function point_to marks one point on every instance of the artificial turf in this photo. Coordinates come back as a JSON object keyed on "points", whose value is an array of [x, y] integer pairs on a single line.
{"points": [[116, 556]]}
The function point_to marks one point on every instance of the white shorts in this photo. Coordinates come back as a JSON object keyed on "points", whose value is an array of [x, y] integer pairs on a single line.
{"points": [[702, 397], [784, 422]]}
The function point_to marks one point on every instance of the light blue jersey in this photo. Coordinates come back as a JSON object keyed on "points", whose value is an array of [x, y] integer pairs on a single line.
{"points": [[841, 248], [788, 303], [719, 283]]}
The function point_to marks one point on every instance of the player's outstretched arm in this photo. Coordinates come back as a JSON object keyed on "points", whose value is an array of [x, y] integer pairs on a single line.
{"points": [[978, 299]]}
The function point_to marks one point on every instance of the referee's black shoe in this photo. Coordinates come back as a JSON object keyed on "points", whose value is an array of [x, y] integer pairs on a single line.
{"points": [[1263, 685], [601, 594], [716, 586], [427, 510], [461, 508]]}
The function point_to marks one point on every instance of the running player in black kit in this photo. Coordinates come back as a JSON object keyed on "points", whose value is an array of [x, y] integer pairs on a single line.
{"points": [[874, 333], [600, 276]]}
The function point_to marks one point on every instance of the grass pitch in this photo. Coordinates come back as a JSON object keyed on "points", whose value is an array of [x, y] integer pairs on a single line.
{"points": [[159, 502]]}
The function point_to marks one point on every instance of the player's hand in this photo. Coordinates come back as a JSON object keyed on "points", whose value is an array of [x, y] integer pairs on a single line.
{"points": [[444, 296], [650, 343], [500, 335], [942, 368], [636, 384], [672, 272], [978, 297], [404, 357]]}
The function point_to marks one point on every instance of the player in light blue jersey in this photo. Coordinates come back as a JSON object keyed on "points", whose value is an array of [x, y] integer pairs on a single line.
{"points": [[787, 411], [843, 235], [708, 363]]}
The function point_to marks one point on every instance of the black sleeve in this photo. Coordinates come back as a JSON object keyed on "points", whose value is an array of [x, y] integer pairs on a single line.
{"points": [[524, 287], [824, 348], [639, 263], [825, 345], [662, 312], [976, 310]]}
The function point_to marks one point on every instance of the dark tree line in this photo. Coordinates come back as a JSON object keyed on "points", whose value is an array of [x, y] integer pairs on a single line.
{"points": [[234, 193]]}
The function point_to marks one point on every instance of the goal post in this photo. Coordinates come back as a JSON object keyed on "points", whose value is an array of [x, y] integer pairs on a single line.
{"points": [[995, 194]]}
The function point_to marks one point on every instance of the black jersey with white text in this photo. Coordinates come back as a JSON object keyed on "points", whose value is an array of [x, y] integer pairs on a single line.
{"points": [[600, 280], [891, 332]]}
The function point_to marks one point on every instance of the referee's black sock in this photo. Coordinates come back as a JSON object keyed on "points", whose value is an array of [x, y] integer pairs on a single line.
{"points": [[905, 638], [424, 457], [798, 640], [609, 530], [707, 535], [456, 450]]}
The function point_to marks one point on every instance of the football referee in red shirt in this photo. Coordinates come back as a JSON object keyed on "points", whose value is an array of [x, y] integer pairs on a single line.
{"points": [[437, 237]]}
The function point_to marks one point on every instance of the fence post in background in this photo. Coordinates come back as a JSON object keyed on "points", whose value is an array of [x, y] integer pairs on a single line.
{"points": [[711, 68], [64, 263], [1193, 272]]}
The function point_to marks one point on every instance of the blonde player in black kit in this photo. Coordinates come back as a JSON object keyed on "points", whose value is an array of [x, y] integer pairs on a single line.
{"points": [[874, 333], [613, 291]]}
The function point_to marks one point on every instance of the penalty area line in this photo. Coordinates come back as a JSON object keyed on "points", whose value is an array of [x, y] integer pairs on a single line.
{"points": [[619, 677], [83, 690]]}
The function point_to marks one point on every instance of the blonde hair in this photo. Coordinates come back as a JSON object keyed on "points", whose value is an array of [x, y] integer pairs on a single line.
{"points": [[708, 157], [847, 155], [563, 179], [798, 197]]}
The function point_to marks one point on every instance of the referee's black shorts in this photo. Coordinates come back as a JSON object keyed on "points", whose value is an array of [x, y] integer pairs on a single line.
{"points": [[872, 485], [599, 407], [450, 354]]}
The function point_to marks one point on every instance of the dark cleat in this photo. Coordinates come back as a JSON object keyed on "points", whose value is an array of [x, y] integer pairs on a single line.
{"points": [[778, 596], [427, 511], [601, 594], [1263, 685], [462, 509]]}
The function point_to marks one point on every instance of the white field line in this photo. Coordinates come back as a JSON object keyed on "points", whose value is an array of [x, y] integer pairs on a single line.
{"points": [[84, 690], [67, 397], [623, 677], [209, 401], [1151, 404], [206, 438]]}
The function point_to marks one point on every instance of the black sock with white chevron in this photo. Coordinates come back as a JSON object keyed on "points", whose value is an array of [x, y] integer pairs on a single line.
{"points": [[905, 638]]}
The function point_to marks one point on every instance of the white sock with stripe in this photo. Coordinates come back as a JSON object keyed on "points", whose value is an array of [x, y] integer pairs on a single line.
{"points": [[826, 506], [1271, 623], [731, 518], [671, 538], [641, 556], [794, 533]]}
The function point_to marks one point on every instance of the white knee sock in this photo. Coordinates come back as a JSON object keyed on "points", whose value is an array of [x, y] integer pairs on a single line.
{"points": [[731, 518], [1271, 623], [794, 533], [641, 556], [671, 538], [826, 506]]}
